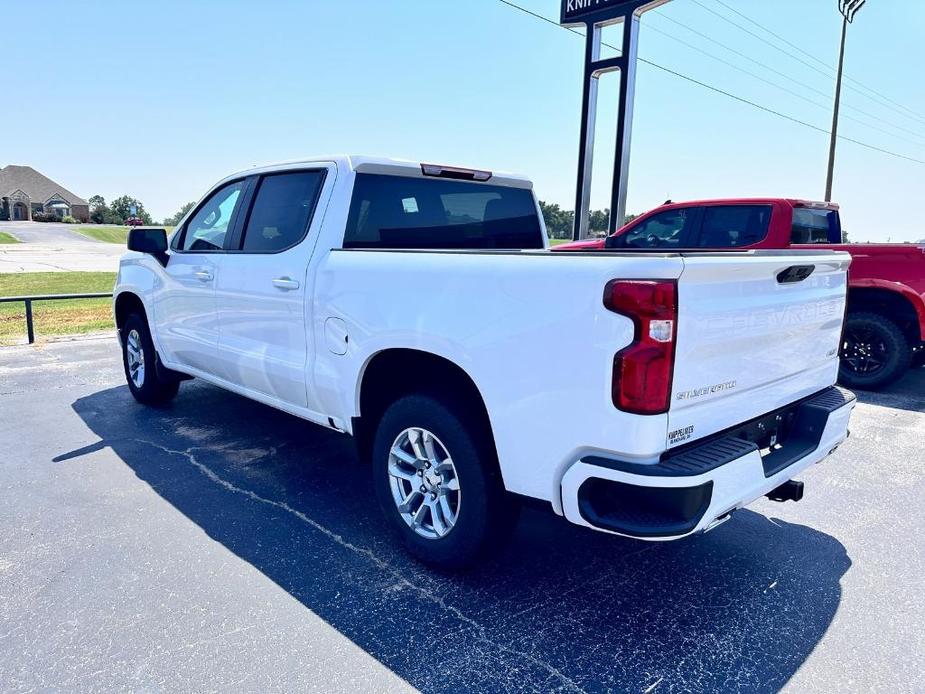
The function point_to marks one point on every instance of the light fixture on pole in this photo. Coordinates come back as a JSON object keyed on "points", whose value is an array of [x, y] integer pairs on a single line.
{"points": [[848, 10]]}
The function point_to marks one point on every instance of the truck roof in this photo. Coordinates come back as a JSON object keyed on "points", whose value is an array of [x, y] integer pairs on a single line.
{"points": [[389, 166], [792, 202]]}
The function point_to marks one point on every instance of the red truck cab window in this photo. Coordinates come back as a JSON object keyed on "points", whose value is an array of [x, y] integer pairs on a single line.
{"points": [[669, 229], [733, 226], [815, 225]]}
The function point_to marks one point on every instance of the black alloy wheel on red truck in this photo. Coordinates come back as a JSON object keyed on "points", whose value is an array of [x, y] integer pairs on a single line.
{"points": [[875, 352]]}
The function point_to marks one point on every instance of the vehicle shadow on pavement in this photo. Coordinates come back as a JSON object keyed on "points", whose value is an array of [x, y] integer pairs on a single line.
{"points": [[564, 608], [908, 393]]}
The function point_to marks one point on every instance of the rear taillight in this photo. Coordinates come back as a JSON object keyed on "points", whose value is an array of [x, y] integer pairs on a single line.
{"points": [[642, 372]]}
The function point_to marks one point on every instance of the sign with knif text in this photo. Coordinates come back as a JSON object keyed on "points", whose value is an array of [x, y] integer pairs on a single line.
{"points": [[582, 11]]}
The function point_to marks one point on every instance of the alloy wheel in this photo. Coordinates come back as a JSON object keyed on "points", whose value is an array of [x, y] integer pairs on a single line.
{"points": [[424, 483], [864, 351], [135, 357]]}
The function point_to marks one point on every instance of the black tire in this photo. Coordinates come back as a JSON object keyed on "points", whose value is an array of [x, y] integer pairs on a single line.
{"points": [[155, 386], [487, 513], [875, 352]]}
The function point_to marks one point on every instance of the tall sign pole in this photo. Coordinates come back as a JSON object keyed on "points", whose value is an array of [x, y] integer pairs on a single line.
{"points": [[594, 15]]}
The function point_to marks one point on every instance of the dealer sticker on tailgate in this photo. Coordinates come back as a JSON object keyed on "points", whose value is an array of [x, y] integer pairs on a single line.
{"points": [[679, 436]]}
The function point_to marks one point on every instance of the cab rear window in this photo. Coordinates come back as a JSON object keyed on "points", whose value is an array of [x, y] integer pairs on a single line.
{"points": [[815, 226], [404, 212]]}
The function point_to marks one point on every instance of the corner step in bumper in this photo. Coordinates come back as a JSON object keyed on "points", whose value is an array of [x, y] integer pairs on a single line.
{"points": [[692, 487]]}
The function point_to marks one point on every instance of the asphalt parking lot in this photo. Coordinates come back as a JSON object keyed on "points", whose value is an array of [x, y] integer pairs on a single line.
{"points": [[219, 545]]}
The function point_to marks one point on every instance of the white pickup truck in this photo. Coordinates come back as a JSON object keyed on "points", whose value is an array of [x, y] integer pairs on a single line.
{"points": [[417, 308]]}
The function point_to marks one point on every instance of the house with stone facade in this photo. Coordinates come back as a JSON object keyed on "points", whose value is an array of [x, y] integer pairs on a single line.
{"points": [[25, 192]]}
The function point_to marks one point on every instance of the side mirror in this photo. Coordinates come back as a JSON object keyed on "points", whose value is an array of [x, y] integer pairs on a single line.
{"points": [[150, 241]]}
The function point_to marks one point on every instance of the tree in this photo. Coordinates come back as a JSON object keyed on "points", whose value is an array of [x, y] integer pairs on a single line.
{"points": [[600, 219], [121, 208], [559, 222], [98, 209], [173, 221]]}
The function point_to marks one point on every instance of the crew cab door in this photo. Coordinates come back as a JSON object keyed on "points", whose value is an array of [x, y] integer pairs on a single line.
{"points": [[264, 291], [184, 307]]}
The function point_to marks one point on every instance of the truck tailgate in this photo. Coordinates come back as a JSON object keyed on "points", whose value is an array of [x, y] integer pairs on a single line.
{"points": [[754, 335]]}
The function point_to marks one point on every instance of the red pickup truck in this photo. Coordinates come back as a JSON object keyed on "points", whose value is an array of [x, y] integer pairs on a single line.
{"points": [[886, 283]]}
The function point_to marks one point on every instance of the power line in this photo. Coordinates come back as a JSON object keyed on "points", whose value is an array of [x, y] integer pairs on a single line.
{"points": [[827, 73], [818, 60], [789, 78], [762, 39], [717, 90], [775, 35], [737, 67]]}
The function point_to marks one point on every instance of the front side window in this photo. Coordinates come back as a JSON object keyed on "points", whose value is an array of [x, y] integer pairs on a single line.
{"points": [[733, 226], [282, 211], [815, 226], [663, 230], [404, 212], [207, 230]]}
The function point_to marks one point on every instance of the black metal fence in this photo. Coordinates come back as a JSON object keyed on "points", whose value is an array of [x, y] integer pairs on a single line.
{"points": [[28, 300]]}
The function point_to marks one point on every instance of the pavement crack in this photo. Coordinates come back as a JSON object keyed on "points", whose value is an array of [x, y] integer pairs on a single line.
{"points": [[482, 633]]}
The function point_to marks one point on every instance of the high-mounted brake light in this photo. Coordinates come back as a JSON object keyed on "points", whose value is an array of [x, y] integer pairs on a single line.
{"points": [[439, 171], [813, 205], [643, 371]]}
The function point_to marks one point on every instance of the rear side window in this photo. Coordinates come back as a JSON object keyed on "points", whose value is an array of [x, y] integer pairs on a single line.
{"points": [[401, 212], [662, 230], [732, 226], [282, 211], [815, 226]]}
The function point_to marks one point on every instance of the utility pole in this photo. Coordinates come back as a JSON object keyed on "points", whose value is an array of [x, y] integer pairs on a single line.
{"points": [[848, 10]]}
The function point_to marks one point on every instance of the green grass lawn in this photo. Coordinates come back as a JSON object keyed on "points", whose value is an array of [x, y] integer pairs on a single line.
{"points": [[107, 234], [55, 317], [6, 238], [558, 242]]}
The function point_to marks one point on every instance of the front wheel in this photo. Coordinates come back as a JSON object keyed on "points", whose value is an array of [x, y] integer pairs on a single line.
{"points": [[439, 484], [149, 384], [874, 351]]}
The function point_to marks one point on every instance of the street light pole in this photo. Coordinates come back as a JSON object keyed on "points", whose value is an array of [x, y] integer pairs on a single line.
{"points": [[848, 10]]}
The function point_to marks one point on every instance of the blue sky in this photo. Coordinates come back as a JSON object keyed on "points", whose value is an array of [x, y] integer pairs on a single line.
{"points": [[159, 100]]}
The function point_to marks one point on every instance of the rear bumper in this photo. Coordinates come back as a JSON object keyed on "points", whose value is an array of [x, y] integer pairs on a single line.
{"points": [[700, 487]]}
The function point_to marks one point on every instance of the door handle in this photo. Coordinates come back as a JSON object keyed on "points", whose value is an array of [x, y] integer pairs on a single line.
{"points": [[203, 275], [286, 283]]}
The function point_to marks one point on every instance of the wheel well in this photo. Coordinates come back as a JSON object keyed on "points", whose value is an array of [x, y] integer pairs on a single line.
{"points": [[888, 303], [126, 305], [394, 373]]}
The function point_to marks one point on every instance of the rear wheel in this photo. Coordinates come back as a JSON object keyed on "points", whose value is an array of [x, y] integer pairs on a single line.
{"points": [[874, 351], [439, 485], [149, 384]]}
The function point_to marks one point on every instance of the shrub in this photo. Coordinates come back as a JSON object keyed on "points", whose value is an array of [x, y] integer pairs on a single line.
{"points": [[68, 219]]}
